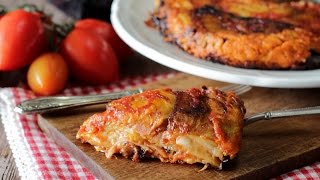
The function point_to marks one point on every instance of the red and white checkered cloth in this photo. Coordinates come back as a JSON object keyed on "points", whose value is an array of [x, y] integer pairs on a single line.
{"points": [[38, 157]]}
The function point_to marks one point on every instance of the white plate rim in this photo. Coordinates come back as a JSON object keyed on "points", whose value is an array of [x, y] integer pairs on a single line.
{"points": [[122, 20]]}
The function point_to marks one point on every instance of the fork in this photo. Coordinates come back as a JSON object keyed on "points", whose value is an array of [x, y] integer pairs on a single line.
{"points": [[50, 104], [236, 88]]}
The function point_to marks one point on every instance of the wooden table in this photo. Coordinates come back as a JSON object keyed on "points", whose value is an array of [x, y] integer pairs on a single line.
{"points": [[8, 168]]}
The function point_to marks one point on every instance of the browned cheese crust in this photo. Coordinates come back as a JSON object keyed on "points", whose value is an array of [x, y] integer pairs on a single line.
{"points": [[202, 29], [192, 126], [301, 13]]}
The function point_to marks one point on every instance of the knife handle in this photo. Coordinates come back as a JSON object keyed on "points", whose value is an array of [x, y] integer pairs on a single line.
{"points": [[49, 104]]}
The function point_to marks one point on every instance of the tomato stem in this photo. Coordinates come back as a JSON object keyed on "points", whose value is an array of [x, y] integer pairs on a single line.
{"points": [[54, 32], [63, 30], [3, 10], [60, 32], [31, 8]]}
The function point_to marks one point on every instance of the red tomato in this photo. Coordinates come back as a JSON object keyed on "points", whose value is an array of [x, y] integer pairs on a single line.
{"points": [[48, 74], [104, 29], [22, 39], [90, 57]]}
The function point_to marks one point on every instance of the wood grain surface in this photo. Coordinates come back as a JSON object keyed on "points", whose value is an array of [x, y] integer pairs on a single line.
{"points": [[269, 148], [8, 169]]}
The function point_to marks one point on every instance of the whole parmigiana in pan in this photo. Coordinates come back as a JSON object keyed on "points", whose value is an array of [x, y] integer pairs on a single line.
{"points": [[206, 30]]}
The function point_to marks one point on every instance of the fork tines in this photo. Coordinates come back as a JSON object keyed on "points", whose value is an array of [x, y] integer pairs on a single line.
{"points": [[237, 88]]}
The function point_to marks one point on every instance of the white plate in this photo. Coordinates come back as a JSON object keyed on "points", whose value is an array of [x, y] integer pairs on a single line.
{"points": [[128, 18]]}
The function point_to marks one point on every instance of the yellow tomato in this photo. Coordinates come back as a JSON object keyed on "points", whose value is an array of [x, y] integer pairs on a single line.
{"points": [[48, 74]]}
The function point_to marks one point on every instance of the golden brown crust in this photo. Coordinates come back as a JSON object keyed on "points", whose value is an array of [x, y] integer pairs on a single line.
{"points": [[201, 29], [301, 13], [193, 126]]}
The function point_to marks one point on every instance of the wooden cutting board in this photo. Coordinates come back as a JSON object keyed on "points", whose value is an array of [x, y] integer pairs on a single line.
{"points": [[269, 148]]}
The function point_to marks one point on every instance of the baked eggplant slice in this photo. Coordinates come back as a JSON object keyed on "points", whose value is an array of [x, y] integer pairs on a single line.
{"points": [[192, 126]]}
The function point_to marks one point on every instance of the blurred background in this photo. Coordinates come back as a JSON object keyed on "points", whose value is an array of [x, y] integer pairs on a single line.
{"points": [[89, 8], [99, 9]]}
